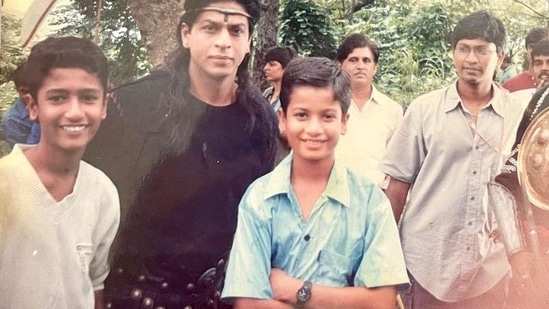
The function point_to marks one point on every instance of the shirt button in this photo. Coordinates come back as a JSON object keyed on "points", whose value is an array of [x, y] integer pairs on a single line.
{"points": [[468, 248], [472, 198], [477, 147], [474, 172], [307, 237], [470, 223]]}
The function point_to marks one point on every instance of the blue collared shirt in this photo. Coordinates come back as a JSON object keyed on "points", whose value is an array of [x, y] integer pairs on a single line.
{"points": [[350, 238], [447, 227], [17, 127]]}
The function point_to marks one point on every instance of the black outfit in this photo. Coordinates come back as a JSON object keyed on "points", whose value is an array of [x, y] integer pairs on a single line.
{"points": [[536, 297], [181, 171], [509, 177]]}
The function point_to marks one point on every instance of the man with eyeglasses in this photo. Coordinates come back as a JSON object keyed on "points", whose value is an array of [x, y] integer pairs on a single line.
{"points": [[450, 144], [526, 79]]}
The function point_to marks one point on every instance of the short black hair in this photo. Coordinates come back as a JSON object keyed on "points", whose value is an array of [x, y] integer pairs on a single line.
{"points": [[65, 52], [481, 25], [280, 54], [540, 49], [318, 72], [356, 40], [534, 36], [18, 77]]}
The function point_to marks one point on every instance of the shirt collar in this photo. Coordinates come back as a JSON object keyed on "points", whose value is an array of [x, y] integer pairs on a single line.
{"points": [[453, 99], [375, 97], [337, 188]]}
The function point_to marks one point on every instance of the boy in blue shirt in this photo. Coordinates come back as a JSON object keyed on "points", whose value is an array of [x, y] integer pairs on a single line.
{"points": [[312, 234]]}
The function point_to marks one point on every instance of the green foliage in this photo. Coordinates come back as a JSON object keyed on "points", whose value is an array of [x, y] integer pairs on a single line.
{"points": [[413, 45], [305, 25], [12, 54], [119, 36]]}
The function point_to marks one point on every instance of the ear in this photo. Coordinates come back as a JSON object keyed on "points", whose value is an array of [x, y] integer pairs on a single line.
{"points": [[249, 44], [344, 120], [501, 56], [25, 98], [281, 120], [375, 71], [185, 33], [32, 107], [104, 110]]}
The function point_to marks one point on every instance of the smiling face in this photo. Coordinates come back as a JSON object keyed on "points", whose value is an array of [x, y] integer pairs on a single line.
{"points": [[69, 106], [313, 123], [361, 66], [476, 60], [217, 41]]}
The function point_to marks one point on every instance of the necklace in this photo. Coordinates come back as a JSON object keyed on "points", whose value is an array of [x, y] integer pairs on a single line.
{"points": [[472, 128]]}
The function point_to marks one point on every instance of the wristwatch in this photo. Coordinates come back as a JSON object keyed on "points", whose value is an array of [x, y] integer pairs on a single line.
{"points": [[304, 294]]}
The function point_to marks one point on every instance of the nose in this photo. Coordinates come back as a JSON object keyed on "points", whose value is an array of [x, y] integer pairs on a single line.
{"points": [[223, 39], [314, 126], [74, 109], [266, 67]]}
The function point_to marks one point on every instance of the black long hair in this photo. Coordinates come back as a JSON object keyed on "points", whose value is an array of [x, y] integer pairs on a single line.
{"points": [[178, 66]]}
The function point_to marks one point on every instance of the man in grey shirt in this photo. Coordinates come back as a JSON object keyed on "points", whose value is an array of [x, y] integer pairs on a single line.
{"points": [[451, 142]]}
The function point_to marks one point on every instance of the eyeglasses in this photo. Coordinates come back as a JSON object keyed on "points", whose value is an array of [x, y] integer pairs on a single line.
{"points": [[479, 51]]}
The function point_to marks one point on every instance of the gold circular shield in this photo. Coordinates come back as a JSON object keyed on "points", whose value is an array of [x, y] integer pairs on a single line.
{"points": [[533, 160]]}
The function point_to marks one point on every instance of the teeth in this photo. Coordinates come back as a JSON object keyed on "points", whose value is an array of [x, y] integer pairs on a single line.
{"points": [[74, 128]]}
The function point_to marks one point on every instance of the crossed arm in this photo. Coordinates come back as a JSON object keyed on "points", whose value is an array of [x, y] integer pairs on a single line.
{"points": [[285, 290]]}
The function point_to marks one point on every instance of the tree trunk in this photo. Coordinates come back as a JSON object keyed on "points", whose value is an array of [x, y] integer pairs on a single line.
{"points": [[157, 22], [266, 38]]}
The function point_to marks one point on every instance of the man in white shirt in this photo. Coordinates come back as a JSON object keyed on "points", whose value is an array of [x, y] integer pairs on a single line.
{"points": [[374, 117]]}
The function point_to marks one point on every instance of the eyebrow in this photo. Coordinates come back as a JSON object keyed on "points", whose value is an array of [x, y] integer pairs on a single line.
{"points": [[218, 22], [473, 46], [63, 90]]}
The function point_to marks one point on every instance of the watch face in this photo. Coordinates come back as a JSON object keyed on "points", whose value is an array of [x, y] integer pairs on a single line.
{"points": [[304, 293]]}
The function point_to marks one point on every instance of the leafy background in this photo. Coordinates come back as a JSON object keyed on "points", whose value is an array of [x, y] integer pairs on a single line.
{"points": [[412, 35]]}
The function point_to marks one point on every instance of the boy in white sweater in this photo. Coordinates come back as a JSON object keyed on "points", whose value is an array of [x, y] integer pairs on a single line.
{"points": [[58, 214]]}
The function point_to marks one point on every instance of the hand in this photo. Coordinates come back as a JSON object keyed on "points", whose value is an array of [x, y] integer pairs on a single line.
{"points": [[543, 80], [284, 287]]}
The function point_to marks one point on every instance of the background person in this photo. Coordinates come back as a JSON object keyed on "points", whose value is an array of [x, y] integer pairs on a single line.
{"points": [[16, 124], [508, 69], [276, 58], [451, 143], [374, 117], [526, 79]]}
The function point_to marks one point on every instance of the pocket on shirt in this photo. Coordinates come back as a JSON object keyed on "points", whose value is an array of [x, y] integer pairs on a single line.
{"points": [[338, 269], [85, 251]]}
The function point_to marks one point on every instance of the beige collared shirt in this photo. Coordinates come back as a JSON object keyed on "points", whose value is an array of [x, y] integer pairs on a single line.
{"points": [[368, 133]]}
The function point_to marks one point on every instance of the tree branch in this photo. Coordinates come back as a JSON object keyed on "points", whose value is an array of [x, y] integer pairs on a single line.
{"points": [[530, 8]]}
